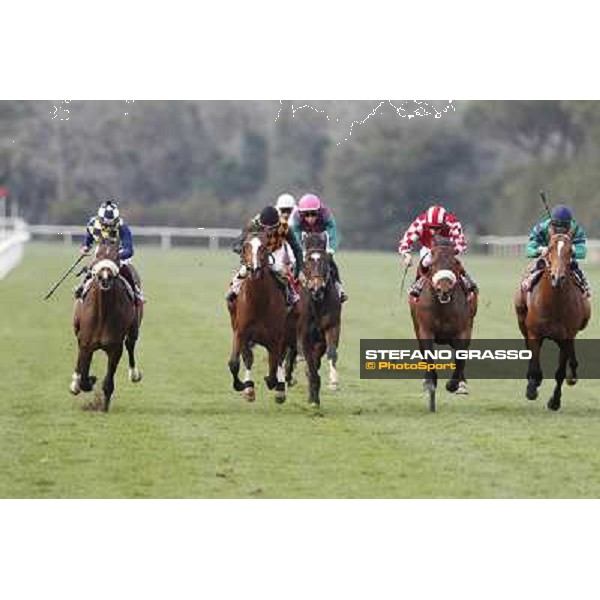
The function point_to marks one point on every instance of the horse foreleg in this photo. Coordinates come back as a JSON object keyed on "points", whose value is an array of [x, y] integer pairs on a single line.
{"points": [[135, 374], [234, 363], [458, 382], [81, 380], [248, 358], [108, 385], [332, 338], [534, 371], [430, 380], [312, 370], [573, 364], [566, 348]]}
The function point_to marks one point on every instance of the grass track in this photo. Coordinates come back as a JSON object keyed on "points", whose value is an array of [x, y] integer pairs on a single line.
{"points": [[183, 432]]}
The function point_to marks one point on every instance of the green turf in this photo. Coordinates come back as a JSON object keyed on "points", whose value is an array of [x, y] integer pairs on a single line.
{"points": [[183, 432]]}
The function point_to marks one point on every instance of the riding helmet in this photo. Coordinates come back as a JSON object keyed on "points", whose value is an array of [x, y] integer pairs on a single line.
{"points": [[269, 217]]}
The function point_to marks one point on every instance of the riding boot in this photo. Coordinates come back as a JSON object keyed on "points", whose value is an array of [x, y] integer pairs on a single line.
{"points": [[417, 287], [236, 284], [581, 279], [340, 290], [469, 283]]}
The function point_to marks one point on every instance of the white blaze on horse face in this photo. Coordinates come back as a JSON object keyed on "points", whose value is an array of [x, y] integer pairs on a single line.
{"points": [[560, 247], [105, 264], [255, 244], [315, 256], [444, 274]]}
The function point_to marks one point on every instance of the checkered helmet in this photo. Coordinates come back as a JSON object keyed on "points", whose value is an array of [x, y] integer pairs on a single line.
{"points": [[108, 213]]}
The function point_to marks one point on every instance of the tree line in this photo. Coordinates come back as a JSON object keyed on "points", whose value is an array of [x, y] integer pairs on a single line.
{"points": [[377, 164]]}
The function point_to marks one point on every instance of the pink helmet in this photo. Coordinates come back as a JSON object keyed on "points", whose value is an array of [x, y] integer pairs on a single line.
{"points": [[309, 203]]}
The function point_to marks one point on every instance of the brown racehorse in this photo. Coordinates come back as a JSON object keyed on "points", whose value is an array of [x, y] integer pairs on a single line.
{"points": [[444, 314], [104, 319], [258, 316], [319, 321], [557, 310]]}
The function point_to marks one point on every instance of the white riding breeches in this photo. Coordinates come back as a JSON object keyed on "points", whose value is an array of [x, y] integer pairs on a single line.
{"points": [[284, 259], [425, 256]]}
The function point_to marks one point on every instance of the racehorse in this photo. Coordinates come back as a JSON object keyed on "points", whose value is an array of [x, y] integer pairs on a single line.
{"points": [[319, 320], [258, 316], [554, 309], [443, 314], [103, 319]]}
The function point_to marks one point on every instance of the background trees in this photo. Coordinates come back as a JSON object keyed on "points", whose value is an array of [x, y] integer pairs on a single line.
{"points": [[214, 163]]}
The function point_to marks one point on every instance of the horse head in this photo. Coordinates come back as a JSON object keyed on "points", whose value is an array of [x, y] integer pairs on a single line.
{"points": [[106, 266], [443, 269], [317, 266], [255, 252], [560, 250]]}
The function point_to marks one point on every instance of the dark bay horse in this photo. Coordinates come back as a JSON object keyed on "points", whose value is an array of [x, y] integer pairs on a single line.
{"points": [[319, 319], [259, 316], [444, 314], [103, 319], [555, 309]]}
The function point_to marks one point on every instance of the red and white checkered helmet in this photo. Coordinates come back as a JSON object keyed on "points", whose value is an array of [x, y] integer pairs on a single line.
{"points": [[435, 216]]}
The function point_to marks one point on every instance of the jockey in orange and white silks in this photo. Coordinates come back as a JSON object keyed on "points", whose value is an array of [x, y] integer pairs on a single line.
{"points": [[435, 221], [285, 251]]}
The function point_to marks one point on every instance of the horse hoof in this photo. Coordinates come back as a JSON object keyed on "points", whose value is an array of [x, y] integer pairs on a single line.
{"points": [[553, 404], [249, 393], [462, 388], [314, 403], [334, 386], [135, 375], [452, 385], [571, 381], [280, 397], [75, 386], [270, 383], [531, 393]]}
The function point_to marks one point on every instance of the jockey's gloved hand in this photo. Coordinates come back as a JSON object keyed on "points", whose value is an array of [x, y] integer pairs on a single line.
{"points": [[85, 250], [330, 251], [543, 251], [407, 259]]}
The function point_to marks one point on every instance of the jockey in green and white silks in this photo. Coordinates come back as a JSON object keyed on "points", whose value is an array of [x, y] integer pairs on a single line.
{"points": [[560, 221], [312, 216]]}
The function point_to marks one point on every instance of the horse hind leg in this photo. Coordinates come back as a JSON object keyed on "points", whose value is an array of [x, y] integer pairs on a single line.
{"points": [[135, 374], [332, 339], [234, 364]]}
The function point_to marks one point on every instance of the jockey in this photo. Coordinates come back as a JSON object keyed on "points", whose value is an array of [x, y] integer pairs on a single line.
{"points": [[108, 225], [435, 221], [285, 205], [312, 216], [284, 248], [560, 221]]}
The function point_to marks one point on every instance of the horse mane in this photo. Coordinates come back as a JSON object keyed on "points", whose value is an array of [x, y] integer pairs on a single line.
{"points": [[315, 241]]}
